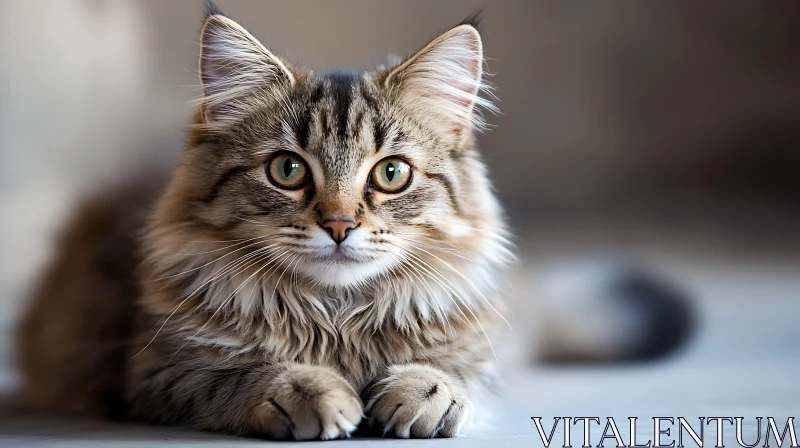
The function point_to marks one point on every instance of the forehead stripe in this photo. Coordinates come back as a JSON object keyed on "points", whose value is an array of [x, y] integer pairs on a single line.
{"points": [[304, 121], [342, 85], [379, 131]]}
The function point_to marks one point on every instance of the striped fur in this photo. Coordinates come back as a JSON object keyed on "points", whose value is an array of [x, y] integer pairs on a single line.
{"points": [[252, 321]]}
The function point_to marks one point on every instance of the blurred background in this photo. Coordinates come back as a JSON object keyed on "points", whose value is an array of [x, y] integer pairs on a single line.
{"points": [[668, 132]]}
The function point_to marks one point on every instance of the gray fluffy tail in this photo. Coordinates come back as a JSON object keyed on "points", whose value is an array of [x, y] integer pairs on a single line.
{"points": [[612, 312]]}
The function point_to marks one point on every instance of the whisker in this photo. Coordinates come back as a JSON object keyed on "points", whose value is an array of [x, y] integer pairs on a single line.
{"points": [[258, 223], [431, 273], [236, 266], [226, 247], [267, 250], [450, 251], [248, 262], [296, 257], [223, 305], [475, 288], [469, 309], [265, 239], [442, 314], [430, 290]]}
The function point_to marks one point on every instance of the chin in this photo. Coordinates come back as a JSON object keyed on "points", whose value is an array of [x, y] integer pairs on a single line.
{"points": [[344, 274]]}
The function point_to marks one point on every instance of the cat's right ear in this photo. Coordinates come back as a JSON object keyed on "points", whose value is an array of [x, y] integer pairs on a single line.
{"points": [[236, 70]]}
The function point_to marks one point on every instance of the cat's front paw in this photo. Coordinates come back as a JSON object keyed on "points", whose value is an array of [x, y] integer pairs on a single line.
{"points": [[418, 400], [309, 402]]}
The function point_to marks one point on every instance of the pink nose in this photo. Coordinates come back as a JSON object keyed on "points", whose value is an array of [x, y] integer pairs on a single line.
{"points": [[338, 229]]}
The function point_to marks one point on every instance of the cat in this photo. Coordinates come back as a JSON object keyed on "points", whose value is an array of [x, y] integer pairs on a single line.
{"points": [[326, 250]]}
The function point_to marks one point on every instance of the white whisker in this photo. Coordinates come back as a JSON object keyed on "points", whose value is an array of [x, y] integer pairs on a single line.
{"points": [[433, 273], [475, 288]]}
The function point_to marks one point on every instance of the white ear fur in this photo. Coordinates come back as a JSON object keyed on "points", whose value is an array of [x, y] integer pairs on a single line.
{"points": [[234, 65], [443, 81]]}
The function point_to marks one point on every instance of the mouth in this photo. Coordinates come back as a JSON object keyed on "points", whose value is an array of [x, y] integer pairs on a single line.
{"points": [[338, 255], [343, 266]]}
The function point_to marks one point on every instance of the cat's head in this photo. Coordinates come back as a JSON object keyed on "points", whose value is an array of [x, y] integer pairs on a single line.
{"points": [[343, 178]]}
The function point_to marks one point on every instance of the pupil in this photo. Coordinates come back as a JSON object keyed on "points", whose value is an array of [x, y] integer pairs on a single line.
{"points": [[288, 167], [390, 171]]}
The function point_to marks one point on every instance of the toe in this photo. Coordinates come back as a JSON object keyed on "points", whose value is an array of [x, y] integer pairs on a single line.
{"points": [[453, 420], [402, 419]]}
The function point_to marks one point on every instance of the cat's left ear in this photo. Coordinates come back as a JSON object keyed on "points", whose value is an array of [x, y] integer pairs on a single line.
{"points": [[236, 69], [442, 82]]}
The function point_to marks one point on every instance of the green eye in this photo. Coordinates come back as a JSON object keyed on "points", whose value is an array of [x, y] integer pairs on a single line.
{"points": [[287, 170], [391, 175]]}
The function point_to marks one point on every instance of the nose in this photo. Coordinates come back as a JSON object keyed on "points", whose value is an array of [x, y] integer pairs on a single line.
{"points": [[338, 229]]}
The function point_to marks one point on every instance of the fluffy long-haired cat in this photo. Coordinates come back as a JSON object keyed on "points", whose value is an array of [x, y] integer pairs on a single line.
{"points": [[327, 250]]}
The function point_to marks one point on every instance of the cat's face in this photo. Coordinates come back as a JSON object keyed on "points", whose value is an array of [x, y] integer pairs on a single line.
{"points": [[341, 178]]}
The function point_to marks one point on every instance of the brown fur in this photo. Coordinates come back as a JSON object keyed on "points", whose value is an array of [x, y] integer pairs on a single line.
{"points": [[243, 323], [75, 338]]}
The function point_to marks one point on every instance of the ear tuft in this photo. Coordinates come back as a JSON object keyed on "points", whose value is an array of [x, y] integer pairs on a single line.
{"points": [[474, 20], [211, 9], [236, 71], [443, 82]]}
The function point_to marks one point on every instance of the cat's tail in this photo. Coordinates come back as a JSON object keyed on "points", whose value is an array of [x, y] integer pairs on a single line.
{"points": [[607, 311]]}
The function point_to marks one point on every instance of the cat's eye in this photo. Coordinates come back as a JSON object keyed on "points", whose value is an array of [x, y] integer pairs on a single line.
{"points": [[391, 175], [287, 170]]}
